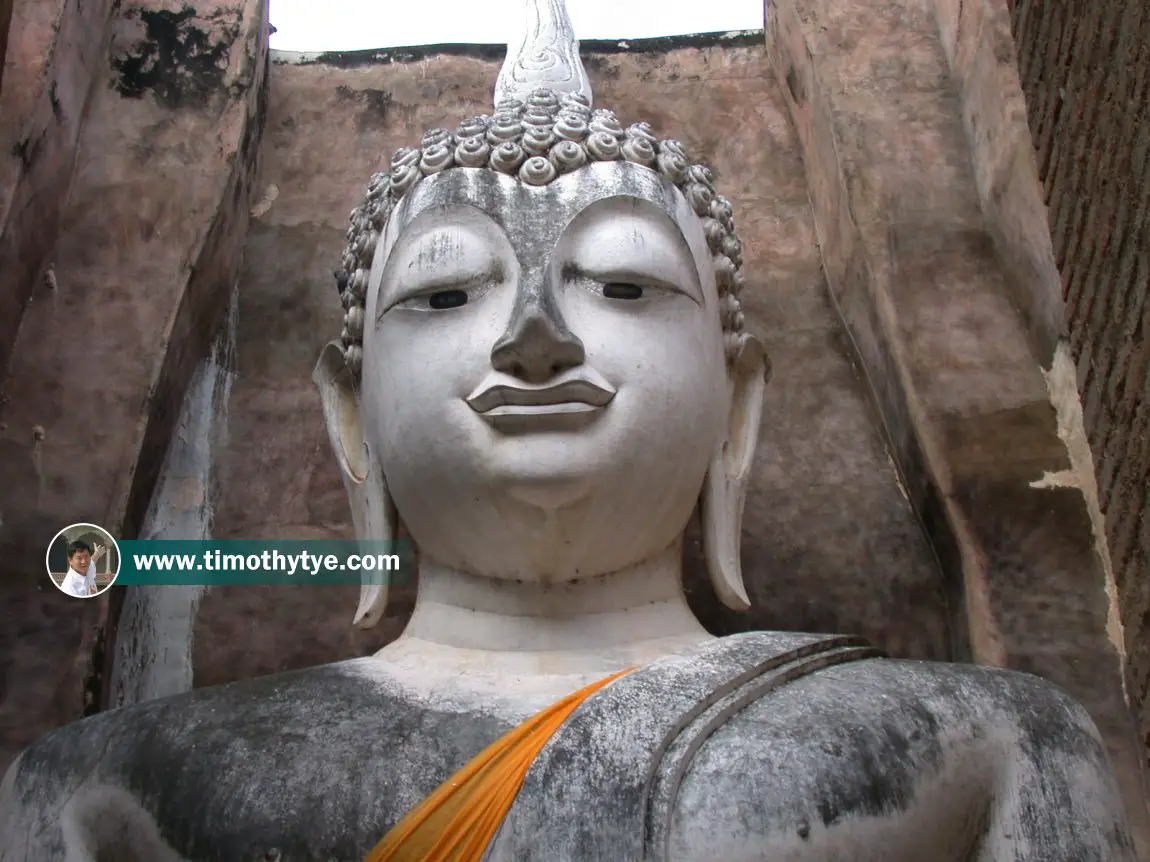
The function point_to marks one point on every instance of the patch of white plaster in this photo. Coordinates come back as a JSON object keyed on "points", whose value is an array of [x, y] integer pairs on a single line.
{"points": [[155, 634], [1062, 383], [270, 194]]}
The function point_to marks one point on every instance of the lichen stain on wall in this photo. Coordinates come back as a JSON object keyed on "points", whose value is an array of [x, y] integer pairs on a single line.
{"points": [[179, 57]]}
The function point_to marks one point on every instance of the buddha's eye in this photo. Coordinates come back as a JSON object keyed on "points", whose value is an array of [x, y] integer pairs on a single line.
{"points": [[619, 290], [445, 299]]}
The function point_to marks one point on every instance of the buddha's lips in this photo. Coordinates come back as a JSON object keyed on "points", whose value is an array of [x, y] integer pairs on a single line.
{"points": [[574, 395]]}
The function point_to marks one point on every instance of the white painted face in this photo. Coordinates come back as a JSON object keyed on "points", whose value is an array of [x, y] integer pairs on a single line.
{"points": [[544, 383]]}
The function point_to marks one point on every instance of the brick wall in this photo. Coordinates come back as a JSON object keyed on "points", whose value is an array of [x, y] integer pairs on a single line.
{"points": [[1086, 76]]}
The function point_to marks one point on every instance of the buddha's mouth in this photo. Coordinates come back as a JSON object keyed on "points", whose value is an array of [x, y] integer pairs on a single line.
{"points": [[563, 403]]}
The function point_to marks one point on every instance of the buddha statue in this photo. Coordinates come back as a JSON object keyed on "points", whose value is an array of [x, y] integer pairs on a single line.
{"points": [[543, 373]]}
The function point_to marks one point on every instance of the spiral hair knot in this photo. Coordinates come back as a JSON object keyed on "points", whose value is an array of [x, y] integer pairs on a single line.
{"points": [[472, 152], [378, 212], [353, 358], [603, 146], [724, 272], [733, 249], [535, 118], [570, 127], [507, 157], [357, 286], [404, 157], [403, 178], [437, 138], [537, 171], [377, 183], [544, 99], [472, 128], [715, 235], [700, 197], [435, 159], [702, 175], [644, 131], [354, 321], [537, 140], [577, 101], [676, 149], [723, 212], [606, 122], [672, 167], [504, 127], [567, 156], [639, 151]]}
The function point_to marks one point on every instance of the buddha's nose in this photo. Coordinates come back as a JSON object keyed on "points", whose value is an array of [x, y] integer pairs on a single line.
{"points": [[537, 344]]}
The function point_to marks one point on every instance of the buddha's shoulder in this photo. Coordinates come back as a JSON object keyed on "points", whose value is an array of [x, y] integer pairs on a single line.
{"points": [[883, 741], [330, 697], [351, 706], [839, 683], [345, 740], [952, 694], [884, 706]]}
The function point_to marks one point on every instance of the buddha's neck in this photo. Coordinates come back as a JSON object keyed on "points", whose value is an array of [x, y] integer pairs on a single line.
{"points": [[467, 624]]}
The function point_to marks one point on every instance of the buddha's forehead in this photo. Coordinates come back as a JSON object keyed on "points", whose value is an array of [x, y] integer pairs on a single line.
{"points": [[534, 217]]}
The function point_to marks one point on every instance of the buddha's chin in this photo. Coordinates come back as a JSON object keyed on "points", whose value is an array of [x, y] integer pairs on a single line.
{"points": [[548, 493], [546, 472]]}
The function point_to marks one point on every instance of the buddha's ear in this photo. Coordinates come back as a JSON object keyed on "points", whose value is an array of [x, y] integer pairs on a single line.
{"points": [[725, 489], [372, 510]]}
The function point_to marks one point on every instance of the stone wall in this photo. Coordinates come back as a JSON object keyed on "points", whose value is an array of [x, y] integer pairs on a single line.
{"points": [[1086, 73], [129, 135], [934, 237]]}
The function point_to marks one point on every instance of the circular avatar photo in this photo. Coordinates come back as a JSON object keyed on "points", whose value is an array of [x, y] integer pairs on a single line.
{"points": [[83, 560]]}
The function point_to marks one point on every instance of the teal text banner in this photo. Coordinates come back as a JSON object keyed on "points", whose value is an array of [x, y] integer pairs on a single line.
{"points": [[231, 563]]}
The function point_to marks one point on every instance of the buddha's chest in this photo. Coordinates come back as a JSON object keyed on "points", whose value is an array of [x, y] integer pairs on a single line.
{"points": [[333, 792], [313, 766], [318, 767], [326, 792]]}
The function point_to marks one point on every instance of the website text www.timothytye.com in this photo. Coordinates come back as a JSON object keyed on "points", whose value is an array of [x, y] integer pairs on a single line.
{"points": [[302, 562]]}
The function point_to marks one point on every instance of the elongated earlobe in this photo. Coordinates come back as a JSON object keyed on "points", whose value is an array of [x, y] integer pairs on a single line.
{"points": [[372, 510], [725, 488]]}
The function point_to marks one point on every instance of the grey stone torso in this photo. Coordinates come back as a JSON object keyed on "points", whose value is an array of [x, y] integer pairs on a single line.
{"points": [[741, 749]]}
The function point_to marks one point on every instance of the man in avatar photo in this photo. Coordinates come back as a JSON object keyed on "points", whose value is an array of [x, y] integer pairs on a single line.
{"points": [[80, 580]]}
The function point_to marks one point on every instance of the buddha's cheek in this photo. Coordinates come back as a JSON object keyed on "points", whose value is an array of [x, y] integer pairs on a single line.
{"points": [[666, 361], [647, 456], [415, 418]]}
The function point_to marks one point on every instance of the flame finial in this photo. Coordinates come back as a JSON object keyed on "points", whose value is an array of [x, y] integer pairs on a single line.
{"points": [[546, 56]]}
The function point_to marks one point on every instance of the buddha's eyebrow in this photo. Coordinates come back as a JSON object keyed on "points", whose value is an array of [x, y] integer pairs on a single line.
{"points": [[645, 249], [448, 257], [628, 274], [439, 278]]}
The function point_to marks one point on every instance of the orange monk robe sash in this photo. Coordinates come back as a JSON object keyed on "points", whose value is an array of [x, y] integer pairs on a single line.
{"points": [[459, 820]]}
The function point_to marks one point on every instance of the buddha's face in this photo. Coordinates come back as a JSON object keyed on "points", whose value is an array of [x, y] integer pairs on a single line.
{"points": [[544, 381]]}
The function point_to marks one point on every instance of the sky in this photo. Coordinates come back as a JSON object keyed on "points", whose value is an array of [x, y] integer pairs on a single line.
{"points": [[359, 25]]}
